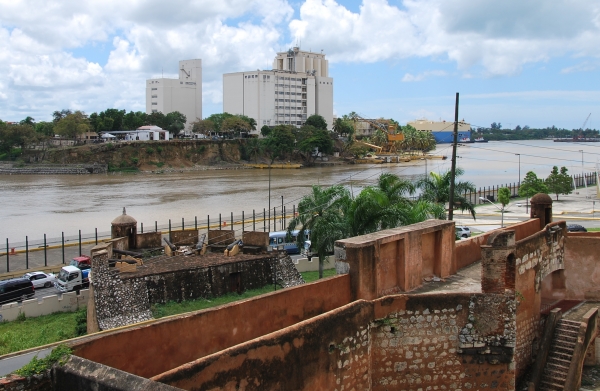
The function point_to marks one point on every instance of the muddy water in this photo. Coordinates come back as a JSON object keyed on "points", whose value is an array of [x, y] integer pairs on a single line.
{"points": [[33, 205]]}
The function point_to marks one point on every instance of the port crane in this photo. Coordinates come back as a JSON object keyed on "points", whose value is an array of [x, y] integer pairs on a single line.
{"points": [[387, 127]]}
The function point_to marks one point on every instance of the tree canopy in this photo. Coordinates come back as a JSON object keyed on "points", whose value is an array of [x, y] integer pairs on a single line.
{"points": [[503, 196], [72, 125], [559, 182], [317, 121], [311, 139], [19, 135], [531, 185], [279, 142], [436, 188]]}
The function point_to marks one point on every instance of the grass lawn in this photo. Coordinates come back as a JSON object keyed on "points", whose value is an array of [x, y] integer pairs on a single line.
{"points": [[31, 332]]}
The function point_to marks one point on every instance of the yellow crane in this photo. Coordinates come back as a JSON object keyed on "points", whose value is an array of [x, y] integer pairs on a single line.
{"points": [[389, 128]]}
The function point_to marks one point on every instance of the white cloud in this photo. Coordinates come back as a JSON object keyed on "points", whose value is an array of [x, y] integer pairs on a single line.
{"points": [[422, 76], [500, 36], [39, 73]]}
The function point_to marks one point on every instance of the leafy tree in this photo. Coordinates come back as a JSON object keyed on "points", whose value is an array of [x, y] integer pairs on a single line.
{"points": [[343, 126], [532, 185], [133, 120], [203, 126], [312, 138], [317, 121], [279, 142], [58, 115], [504, 196], [45, 128], [559, 182], [248, 120], [322, 212], [73, 125], [254, 147], [436, 188], [235, 125], [16, 136], [157, 119], [218, 119], [265, 130], [175, 122], [28, 121], [496, 126]]}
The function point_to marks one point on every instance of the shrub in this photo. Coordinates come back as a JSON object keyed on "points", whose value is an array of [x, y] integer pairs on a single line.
{"points": [[149, 150], [81, 325], [36, 366], [135, 161], [159, 149]]}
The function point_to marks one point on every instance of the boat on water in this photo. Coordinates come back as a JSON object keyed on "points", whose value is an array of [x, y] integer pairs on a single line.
{"points": [[465, 140], [480, 140]]}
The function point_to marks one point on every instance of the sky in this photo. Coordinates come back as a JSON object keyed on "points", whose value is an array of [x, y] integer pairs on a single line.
{"points": [[534, 62]]}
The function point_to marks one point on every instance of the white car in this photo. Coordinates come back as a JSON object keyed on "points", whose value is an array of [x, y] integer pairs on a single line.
{"points": [[41, 279], [463, 232]]}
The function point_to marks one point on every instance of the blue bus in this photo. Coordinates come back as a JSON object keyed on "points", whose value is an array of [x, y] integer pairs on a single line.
{"points": [[279, 238]]}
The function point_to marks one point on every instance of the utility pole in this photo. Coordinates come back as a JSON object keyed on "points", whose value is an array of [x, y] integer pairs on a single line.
{"points": [[453, 171]]}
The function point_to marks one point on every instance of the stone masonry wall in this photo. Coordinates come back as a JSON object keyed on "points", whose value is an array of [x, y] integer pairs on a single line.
{"points": [[118, 303], [206, 282], [443, 342]]}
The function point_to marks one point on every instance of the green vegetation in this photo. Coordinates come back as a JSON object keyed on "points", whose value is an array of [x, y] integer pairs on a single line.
{"points": [[123, 167], [496, 133], [149, 150], [333, 213], [504, 196], [436, 188], [31, 332], [532, 185], [314, 276], [559, 182], [36, 366], [158, 164]]}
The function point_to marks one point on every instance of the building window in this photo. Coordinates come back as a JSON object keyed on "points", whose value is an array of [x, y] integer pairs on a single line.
{"points": [[154, 103], [154, 110], [155, 96], [154, 89]]}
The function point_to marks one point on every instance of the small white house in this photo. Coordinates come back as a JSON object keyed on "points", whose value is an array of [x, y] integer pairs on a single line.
{"points": [[147, 133]]}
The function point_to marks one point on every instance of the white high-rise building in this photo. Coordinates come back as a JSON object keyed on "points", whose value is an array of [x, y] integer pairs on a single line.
{"points": [[183, 94], [297, 87]]}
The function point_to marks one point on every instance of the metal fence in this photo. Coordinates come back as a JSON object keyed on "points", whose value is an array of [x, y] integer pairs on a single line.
{"points": [[37, 253], [47, 251]]}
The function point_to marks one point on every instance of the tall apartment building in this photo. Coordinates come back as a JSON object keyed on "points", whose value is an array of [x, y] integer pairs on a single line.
{"points": [[183, 94], [297, 87]]}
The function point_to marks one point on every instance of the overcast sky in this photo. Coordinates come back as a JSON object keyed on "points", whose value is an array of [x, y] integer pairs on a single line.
{"points": [[518, 62]]}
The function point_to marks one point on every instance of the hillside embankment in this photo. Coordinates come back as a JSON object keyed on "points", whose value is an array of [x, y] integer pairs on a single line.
{"points": [[152, 155]]}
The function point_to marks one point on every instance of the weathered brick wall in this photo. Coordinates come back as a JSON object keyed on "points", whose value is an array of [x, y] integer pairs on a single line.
{"points": [[328, 352], [188, 237], [148, 240], [443, 342], [117, 302], [209, 281], [40, 382]]}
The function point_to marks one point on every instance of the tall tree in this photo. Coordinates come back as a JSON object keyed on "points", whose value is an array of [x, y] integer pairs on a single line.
{"points": [[134, 120], [218, 119], [531, 185], [559, 182], [235, 125], [73, 125], [322, 213], [203, 126], [279, 142], [312, 139], [58, 115], [503, 196], [265, 130], [16, 136], [317, 121], [436, 188], [175, 122]]}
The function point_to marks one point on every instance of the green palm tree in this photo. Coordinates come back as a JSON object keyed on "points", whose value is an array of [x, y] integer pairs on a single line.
{"points": [[436, 188], [254, 147], [322, 213]]}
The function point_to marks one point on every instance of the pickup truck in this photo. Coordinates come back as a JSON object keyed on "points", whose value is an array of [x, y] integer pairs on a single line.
{"points": [[72, 278], [82, 261]]}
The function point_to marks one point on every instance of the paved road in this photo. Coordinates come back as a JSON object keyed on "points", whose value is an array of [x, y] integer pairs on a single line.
{"points": [[9, 365]]}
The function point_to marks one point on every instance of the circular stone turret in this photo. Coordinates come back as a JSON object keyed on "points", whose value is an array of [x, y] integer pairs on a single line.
{"points": [[125, 226], [125, 219], [541, 208], [541, 198]]}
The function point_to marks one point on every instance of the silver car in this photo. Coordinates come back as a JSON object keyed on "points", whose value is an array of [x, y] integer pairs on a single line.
{"points": [[463, 232], [40, 279]]}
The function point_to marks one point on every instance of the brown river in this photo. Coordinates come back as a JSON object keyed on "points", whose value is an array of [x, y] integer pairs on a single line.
{"points": [[33, 205]]}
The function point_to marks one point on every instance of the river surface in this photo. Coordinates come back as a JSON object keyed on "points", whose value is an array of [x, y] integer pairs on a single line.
{"points": [[36, 204]]}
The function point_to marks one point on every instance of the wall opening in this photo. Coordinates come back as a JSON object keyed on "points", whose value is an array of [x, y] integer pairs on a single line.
{"points": [[509, 272]]}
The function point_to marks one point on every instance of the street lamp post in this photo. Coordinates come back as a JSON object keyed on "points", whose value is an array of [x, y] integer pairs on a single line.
{"points": [[519, 155], [500, 209], [426, 170], [582, 173]]}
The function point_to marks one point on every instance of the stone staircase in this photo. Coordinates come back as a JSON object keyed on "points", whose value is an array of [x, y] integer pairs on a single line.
{"points": [[560, 355]]}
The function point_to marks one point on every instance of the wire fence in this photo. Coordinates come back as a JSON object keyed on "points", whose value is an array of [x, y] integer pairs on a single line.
{"points": [[42, 252]]}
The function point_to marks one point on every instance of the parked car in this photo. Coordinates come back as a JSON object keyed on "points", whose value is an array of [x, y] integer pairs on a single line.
{"points": [[16, 289], [463, 232], [41, 279], [575, 228]]}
